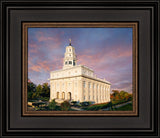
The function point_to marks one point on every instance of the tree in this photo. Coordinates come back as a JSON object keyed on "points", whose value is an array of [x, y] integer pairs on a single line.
{"points": [[38, 91], [130, 97], [45, 90], [115, 92], [115, 95], [34, 96], [123, 95], [31, 89]]}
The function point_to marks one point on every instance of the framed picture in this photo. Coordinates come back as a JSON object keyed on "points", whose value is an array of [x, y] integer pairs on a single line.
{"points": [[74, 89], [80, 69]]}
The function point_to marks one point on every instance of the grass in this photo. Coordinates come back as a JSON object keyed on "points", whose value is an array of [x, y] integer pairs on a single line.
{"points": [[110, 105], [96, 107], [128, 107]]}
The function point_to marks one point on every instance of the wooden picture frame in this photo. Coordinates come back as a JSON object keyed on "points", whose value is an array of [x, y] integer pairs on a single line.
{"points": [[133, 25], [14, 120]]}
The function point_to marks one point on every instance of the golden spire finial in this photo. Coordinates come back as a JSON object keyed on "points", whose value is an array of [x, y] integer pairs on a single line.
{"points": [[70, 41]]}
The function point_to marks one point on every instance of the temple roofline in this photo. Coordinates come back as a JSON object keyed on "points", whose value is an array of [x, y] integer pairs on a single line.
{"points": [[73, 67], [96, 79]]}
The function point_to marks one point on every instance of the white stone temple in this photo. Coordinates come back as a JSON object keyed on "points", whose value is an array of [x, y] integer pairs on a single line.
{"points": [[77, 82]]}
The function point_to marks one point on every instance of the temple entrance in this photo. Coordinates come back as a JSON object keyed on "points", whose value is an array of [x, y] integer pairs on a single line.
{"points": [[69, 95]]}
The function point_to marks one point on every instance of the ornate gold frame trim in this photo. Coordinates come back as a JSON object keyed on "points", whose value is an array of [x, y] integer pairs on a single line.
{"points": [[26, 25]]}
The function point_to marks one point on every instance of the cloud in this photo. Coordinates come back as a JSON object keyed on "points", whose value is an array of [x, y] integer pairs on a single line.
{"points": [[35, 68], [109, 57], [114, 64], [44, 65]]}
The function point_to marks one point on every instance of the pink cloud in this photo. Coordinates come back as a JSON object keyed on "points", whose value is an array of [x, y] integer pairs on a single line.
{"points": [[35, 68], [44, 38], [33, 51], [44, 65], [112, 57], [52, 42], [32, 45]]}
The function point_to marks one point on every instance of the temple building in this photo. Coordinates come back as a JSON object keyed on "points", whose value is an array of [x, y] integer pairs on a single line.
{"points": [[77, 82]]}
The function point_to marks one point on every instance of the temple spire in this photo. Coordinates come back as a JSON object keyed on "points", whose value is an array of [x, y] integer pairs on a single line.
{"points": [[70, 58], [70, 41]]}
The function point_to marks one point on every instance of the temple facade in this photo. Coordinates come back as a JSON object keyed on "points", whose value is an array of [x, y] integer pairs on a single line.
{"points": [[77, 82]]}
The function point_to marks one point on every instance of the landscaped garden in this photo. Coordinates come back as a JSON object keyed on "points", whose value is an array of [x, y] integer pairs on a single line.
{"points": [[38, 99]]}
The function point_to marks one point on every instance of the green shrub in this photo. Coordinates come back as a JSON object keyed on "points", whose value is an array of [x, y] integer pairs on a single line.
{"points": [[74, 103], [85, 104], [44, 98], [65, 106], [52, 105]]}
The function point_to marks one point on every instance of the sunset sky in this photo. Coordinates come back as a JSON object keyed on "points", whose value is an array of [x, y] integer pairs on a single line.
{"points": [[108, 51]]}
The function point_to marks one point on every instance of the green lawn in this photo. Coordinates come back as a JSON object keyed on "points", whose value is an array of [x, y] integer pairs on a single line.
{"points": [[128, 107]]}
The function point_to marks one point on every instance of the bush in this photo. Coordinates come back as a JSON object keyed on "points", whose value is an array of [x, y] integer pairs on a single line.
{"points": [[65, 106], [44, 98], [74, 103], [52, 105], [85, 104]]}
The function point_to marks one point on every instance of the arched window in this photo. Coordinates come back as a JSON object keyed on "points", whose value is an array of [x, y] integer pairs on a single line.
{"points": [[63, 95], [66, 62], [69, 95], [70, 62], [57, 95]]}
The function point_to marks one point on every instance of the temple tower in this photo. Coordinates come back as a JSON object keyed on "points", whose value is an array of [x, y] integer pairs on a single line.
{"points": [[70, 58]]}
